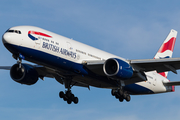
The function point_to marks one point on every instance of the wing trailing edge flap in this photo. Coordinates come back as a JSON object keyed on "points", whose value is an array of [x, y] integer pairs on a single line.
{"points": [[44, 71], [172, 83], [59, 78], [48, 72], [160, 65]]}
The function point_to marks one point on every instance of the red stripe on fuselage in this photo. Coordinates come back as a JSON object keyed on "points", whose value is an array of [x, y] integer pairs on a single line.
{"points": [[168, 45], [39, 33]]}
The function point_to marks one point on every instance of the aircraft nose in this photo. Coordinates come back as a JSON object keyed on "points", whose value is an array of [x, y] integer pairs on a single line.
{"points": [[6, 38]]}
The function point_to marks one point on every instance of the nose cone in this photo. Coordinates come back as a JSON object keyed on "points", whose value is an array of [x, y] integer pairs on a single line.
{"points": [[6, 38]]}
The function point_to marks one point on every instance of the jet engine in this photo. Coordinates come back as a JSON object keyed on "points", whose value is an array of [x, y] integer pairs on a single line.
{"points": [[25, 74], [117, 68]]}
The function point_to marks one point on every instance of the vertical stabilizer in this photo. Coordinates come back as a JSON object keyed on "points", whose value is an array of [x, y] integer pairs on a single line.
{"points": [[166, 49]]}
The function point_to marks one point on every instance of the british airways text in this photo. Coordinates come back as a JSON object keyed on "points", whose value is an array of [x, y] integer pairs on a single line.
{"points": [[55, 48]]}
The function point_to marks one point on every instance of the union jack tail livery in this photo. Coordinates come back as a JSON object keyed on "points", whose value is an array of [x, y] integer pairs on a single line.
{"points": [[166, 49]]}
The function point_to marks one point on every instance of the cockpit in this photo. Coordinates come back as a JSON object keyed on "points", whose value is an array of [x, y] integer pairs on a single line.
{"points": [[14, 31]]}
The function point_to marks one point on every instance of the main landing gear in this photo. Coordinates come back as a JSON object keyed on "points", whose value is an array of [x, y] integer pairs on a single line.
{"points": [[68, 95], [121, 95]]}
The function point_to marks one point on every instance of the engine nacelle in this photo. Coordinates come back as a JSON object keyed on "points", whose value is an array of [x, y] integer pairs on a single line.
{"points": [[24, 75], [117, 68]]}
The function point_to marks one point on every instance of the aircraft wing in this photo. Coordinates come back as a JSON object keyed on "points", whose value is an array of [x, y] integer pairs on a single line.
{"points": [[42, 71], [160, 65], [139, 66], [146, 65], [97, 68], [51, 73]]}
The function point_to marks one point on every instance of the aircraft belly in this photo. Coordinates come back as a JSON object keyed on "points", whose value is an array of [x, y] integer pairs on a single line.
{"points": [[137, 89], [95, 82]]}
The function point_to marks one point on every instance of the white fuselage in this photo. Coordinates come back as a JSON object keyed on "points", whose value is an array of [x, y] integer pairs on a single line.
{"points": [[70, 50]]}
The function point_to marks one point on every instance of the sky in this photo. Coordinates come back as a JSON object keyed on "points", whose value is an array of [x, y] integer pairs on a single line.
{"points": [[129, 29]]}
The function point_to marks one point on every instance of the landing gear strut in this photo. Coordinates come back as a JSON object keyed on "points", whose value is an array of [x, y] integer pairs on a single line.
{"points": [[121, 95], [19, 58], [68, 95]]}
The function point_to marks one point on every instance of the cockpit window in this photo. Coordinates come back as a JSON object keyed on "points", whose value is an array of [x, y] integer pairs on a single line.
{"points": [[14, 31]]}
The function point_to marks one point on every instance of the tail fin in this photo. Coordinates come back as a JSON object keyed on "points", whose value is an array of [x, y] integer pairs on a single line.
{"points": [[166, 49]]}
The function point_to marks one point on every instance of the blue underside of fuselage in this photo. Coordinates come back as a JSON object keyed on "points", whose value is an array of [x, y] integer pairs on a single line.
{"points": [[46, 59], [137, 89]]}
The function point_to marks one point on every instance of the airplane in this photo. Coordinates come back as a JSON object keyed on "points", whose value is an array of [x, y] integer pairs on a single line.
{"points": [[72, 63]]}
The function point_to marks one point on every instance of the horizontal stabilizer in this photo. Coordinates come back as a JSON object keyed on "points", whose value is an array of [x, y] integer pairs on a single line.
{"points": [[173, 83]]}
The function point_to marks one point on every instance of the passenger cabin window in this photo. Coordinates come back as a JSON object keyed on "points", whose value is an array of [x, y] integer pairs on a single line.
{"points": [[14, 31]]}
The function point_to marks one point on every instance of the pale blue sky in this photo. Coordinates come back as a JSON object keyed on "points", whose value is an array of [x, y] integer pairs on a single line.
{"points": [[133, 30]]}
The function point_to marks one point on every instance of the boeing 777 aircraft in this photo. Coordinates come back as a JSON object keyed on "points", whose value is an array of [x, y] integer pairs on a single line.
{"points": [[73, 63]]}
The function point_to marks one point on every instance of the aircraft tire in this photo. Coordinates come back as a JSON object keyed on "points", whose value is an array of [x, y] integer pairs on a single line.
{"points": [[117, 96], [68, 94], [65, 98], [72, 97], [69, 101], [113, 92], [76, 100], [124, 95], [128, 98], [61, 94], [121, 99]]}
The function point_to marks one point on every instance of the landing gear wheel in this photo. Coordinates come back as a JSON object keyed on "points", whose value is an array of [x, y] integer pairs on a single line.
{"points": [[128, 98], [65, 98], [69, 101], [61, 94], [121, 99], [68, 94], [124, 94], [72, 97], [76, 100], [113, 92], [121, 94], [117, 95]]}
